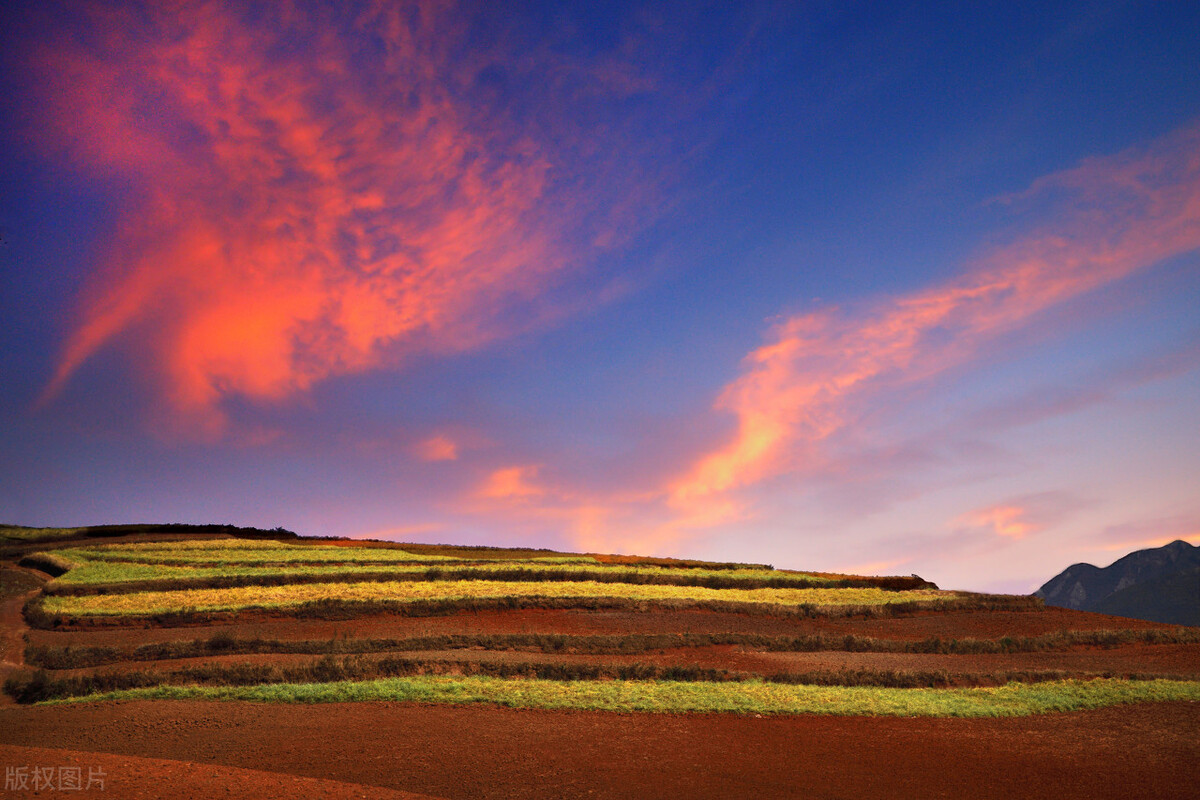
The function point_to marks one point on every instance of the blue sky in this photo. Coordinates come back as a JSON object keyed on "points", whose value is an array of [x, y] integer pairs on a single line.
{"points": [[829, 286]]}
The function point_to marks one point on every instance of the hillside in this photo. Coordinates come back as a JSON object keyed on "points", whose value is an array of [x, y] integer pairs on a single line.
{"points": [[205, 661], [1160, 584]]}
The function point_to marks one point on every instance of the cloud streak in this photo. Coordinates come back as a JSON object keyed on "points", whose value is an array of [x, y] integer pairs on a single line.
{"points": [[314, 194], [821, 374]]}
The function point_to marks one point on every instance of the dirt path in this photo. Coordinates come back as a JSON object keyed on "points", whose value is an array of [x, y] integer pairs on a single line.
{"points": [[1144, 751]]}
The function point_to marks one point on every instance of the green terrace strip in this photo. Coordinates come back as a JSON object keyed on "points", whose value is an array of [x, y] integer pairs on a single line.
{"points": [[236, 551], [311, 554], [104, 577], [77, 657], [751, 697], [334, 608], [330, 669], [255, 551], [269, 597], [17, 533]]}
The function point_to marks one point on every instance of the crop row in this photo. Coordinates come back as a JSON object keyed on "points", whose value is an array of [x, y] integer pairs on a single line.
{"points": [[336, 608], [268, 597], [79, 657], [84, 568], [751, 697], [42, 686]]}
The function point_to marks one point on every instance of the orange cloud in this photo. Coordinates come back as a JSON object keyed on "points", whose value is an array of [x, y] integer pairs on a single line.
{"points": [[812, 379], [437, 448], [512, 483], [629, 522], [1002, 520], [302, 212]]}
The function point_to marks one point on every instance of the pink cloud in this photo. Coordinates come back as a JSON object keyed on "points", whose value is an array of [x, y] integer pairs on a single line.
{"points": [[819, 371], [437, 448], [1017, 517], [1003, 520], [300, 214]]}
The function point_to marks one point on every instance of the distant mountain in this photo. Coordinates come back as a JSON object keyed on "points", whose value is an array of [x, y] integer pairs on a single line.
{"points": [[1161, 584]]}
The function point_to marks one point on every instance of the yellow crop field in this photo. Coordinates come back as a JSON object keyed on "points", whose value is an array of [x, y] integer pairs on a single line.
{"points": [[414, 591]]}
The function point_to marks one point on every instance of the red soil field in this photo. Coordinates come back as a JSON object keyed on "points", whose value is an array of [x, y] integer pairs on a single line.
{"points": [[379, 750], [1143, 751], [980, 624], [1181, 661]]}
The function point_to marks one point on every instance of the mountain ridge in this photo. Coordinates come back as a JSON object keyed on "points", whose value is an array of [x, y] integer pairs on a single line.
{"points": [[1161, 584]]}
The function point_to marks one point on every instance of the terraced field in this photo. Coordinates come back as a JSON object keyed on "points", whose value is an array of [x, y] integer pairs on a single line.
{"points": [[214, 619]]}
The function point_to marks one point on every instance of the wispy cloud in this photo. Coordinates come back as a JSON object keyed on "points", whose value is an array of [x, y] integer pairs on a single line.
{"points": [[1017, 517], [303, 212], [437, 448], [821, 374], [1003, 520]]}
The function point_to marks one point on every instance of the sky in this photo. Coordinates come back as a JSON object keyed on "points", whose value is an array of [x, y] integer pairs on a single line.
{"points": [[859, 287]]}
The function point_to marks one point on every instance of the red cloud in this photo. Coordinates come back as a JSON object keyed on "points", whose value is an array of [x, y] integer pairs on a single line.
{"points": [[313, 196]]}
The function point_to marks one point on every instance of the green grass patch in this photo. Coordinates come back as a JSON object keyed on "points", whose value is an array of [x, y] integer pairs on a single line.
{"points": [[330, 669], [242, 551], [18, 533], [751, 697], [87, 575]]}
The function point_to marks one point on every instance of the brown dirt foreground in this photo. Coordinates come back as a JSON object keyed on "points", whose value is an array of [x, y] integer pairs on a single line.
{"points": [[1143, 751]]}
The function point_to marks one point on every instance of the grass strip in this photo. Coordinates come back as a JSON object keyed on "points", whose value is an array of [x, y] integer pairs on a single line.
{"points": [[20, 533], [69, 657], [335, 608], [1014, 699], [329, 669], [268, 597], [116, 578]]}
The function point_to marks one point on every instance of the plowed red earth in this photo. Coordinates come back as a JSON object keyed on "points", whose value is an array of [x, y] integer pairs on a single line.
{"points": [[1182, 661], [1143, 751], [979, 624]]}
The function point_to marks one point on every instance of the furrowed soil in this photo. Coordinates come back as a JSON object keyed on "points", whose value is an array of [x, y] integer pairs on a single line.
{"points": [[1177, 661], [980, 624], [1144, 751]]}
